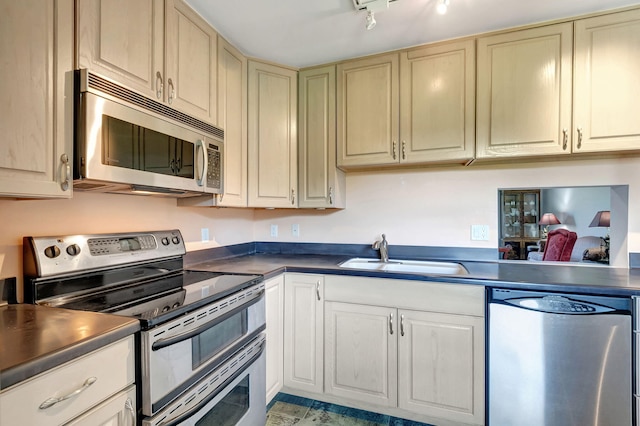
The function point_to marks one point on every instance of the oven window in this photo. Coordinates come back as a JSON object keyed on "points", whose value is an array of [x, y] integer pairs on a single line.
{"points": [[135, 147], [230, 409], [214, 340]]}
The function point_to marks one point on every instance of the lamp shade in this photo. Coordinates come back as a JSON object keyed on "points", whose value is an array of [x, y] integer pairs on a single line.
{"points": [[549, 219], [602, 219]]}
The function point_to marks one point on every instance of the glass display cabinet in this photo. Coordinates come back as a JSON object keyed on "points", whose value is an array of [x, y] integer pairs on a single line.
{"points": [[519, 216]]}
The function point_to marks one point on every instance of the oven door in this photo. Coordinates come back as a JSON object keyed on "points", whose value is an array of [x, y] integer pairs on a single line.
{"points": [[177, 354], [231, 395]]}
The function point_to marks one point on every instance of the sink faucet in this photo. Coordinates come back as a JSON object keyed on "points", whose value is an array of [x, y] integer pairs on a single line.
{"points": [[383, 247]]}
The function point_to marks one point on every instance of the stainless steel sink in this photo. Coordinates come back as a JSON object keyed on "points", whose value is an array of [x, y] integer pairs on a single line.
{"points": [[410, 266]]}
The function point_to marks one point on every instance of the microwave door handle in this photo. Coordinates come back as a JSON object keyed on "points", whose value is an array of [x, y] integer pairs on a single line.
{"points": [[200, 147], [187, 414], [168, 341]]}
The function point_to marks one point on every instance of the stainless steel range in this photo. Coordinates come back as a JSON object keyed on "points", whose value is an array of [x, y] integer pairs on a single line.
{"points": [[202, 340]]}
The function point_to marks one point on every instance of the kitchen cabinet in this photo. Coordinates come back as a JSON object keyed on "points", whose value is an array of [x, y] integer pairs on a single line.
{"points": [[524, 92], [606, 84], [368, 111], [232, 117], [437, 103], [519, 217], [160, 48], [321, 183], [274, 305], [273, 154], [303, 332], [36, 115], [105, 378], [408, 346]]}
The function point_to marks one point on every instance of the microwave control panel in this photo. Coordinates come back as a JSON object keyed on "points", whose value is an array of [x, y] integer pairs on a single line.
{"points": [[214, 168]]}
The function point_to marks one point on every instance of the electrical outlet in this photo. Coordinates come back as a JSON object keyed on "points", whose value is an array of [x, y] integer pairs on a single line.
{"points": [[204, 232], [480, 232], [274, 230], [295, 230]]}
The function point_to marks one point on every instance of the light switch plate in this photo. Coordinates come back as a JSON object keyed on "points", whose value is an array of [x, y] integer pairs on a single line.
{"points": [[480, 232]]}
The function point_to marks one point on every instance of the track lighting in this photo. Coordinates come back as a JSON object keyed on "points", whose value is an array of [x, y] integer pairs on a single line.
{"points": [[371, 20]]}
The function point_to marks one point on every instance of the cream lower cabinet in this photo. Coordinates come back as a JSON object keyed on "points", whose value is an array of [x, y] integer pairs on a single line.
{"points": [[524, 92], [606, 84], [414, 348], [321, 183], [160, 48], [274, 301], [100, 386], [36, 113], [303, 332], [273, 154]]}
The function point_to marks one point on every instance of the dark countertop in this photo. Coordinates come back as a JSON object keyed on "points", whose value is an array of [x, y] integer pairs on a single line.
{"points": [[34, 339], [577, 278]]}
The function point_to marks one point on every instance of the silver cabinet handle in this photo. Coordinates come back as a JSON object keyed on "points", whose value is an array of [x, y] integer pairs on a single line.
{"points": [[172, 91], [64, 159], [402, 325], [391, 323], [128, 406], [50, 402], [393, 152], [331, 195], [159, 85], [318, 290], [565, 138], [404, 152], [293, 196], [579, 137]]}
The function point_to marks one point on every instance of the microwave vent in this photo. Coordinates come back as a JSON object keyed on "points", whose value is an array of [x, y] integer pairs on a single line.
{"points": [[110, 88]]}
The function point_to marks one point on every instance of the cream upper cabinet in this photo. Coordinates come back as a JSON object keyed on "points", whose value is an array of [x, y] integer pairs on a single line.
{"points": [[524, 92], [273, 154], [303, 332], [160, 48], [368, 111], [437, 103], [321, 183], [232, 117], [36, 115], [606, 83]]}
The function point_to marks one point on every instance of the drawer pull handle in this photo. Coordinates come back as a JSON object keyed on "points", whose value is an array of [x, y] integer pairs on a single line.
{"points": [[128, 405], [318, 290], [50, 402], [402, 325], [390, 323]]}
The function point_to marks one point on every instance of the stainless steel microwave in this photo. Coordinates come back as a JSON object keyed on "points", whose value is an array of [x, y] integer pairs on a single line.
{"points": [[128, 143]]}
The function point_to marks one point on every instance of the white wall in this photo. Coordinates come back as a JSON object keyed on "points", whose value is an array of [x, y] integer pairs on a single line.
{"points": [[576, 207]]}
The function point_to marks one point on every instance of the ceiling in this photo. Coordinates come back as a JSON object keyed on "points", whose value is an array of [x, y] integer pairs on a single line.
{"points": [[301, 33]]}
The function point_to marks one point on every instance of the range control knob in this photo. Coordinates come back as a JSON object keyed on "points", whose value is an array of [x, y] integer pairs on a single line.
{"points": [[165, 241], [175, 240], [73, 250], [52, 252]]}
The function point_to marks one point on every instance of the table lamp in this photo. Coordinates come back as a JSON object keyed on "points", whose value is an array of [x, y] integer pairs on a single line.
{"points": [[546, 220]]}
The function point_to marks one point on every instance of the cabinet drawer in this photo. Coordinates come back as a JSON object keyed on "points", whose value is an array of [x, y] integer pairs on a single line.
{"points": [[112, 367]]}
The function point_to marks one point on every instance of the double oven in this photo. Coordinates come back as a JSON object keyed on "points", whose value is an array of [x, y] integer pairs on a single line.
{"points": [[200, 352]]}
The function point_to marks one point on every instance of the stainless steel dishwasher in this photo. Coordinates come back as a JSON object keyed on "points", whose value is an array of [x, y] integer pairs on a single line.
{"points": [[559, 359]]}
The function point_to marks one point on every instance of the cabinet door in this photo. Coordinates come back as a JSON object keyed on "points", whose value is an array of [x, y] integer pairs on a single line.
{"points": [[273, 160], [232, 117], [303, 337], [36, 113], [322, 185], [524, 92], [361, 353], [368, 111], [437, 100], [191, 57], [274, 298], [441, 365], [119, 410], [123, 40], [607, 87]]}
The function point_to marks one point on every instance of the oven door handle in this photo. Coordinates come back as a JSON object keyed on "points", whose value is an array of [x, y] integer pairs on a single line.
{"points": [[168, 341], [222, 387]]}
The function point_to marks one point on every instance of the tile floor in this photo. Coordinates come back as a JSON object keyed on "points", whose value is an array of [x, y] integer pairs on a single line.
{"points": [[287, 410]]}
